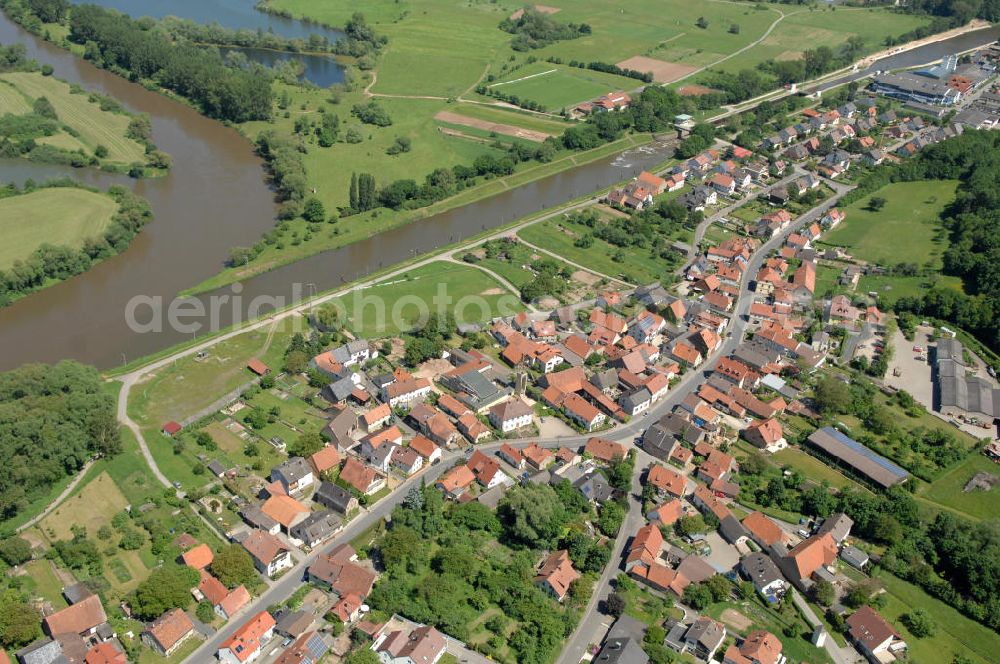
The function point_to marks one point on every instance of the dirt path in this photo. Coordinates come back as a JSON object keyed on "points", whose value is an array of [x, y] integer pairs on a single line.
{"points": [[59, 499], [576, 265], [495, 127]]}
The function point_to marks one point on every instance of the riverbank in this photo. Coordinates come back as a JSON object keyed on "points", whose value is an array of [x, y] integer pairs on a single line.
{"points": [[61, 230], [348, 231], [50, 121]]}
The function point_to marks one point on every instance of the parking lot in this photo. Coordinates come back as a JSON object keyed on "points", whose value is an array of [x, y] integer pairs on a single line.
{"points": [[914, 375]]}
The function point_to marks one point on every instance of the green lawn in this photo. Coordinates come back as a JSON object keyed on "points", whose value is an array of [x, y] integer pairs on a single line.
{"points": [[45, 583], [903, 230], [515, 268], [813, 468], [954, 634], [59, 215], [94, 126], [946, 490], [634, 264], [393, 306], [189, 384], [559, 86], [889, 288]]}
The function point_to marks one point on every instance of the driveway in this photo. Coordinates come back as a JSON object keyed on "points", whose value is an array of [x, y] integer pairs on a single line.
{"points": [[724, 556]]}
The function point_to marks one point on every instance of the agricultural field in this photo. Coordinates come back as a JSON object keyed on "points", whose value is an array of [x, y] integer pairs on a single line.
{"points": [[91, 127], [62, 215], [903, 231], [393, 306], [954, 633], [947, 489], [510, 116]]}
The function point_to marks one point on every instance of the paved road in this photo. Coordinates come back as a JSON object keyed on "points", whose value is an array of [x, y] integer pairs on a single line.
{"points": [[594, 624]]}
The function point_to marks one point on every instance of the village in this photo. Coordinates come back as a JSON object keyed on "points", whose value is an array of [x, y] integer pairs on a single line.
{"points": [[692, 418]]}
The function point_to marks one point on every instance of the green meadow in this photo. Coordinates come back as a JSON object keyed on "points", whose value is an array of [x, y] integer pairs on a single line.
{"points": [[59, 215]]}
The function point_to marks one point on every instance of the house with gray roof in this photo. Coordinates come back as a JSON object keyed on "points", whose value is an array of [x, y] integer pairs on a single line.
{"points": [[595, 487], [335, 498], [43, 651], [317, 528], [295, 475]]}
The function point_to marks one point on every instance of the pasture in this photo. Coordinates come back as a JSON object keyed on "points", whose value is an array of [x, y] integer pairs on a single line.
{"points": [[58, 215], [947, 489], [902, 231], [93, 126]]}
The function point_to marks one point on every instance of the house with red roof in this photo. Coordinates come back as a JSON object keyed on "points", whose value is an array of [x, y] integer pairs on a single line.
{"points": [[538, 457], [556, 574], [686, 354], [456, 481], [806, 558], [766, 434], [763, 530], [604, 450], [582, 412], [759, 647], [666, 481], [246, 642], [874, 637], [668, 513], [166, 634], [363, 478]]}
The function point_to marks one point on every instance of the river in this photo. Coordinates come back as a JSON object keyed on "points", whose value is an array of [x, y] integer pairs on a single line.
{"points": [[213, 199]]}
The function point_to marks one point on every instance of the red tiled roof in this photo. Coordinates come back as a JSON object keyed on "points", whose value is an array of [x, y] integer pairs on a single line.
{"points": [[212, 588], [247, 639], [765, 531], [325, 459], [558, 572], [285, 509], [667, 480], [77, 618], [104, 653], [357, 474], [813, 553], [170, 628], [603, 449], [235, 600]]}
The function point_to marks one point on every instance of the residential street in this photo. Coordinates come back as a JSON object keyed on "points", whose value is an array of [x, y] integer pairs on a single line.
{"points": [[594, 624]]}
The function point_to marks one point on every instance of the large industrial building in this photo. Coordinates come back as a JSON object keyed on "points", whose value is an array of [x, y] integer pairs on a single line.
{"points": [[957, 393]]}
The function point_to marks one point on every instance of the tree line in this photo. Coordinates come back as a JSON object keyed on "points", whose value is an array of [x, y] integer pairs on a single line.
{"points": [[138, 51], [52, 419], [57, 262], [534, 29]]}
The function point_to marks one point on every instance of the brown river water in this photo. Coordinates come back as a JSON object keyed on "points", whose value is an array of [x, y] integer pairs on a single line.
{"points": [[214, 198]]}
